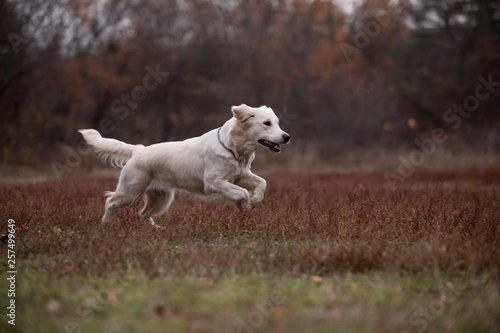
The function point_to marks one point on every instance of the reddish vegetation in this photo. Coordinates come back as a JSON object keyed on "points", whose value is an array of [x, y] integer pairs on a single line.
{"points": [[308, 223]]}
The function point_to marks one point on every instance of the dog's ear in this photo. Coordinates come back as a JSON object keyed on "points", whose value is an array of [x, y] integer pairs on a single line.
{"points": [[242, 112]]}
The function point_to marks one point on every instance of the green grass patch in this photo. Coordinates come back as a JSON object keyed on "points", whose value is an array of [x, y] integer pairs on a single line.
{"points": [[370, 302]]}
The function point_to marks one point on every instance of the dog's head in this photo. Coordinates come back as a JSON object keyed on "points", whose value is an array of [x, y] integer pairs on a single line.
{"points": [[260, 127]]}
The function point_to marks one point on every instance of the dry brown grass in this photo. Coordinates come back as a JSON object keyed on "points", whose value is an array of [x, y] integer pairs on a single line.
{"points": [[315, 224]]}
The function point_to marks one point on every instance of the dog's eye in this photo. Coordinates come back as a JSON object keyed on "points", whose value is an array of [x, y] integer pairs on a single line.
{"points": [[267, 123]]}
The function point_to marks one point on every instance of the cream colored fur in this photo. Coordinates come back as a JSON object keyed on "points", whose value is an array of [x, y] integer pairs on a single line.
{"points": [[200, 165]]}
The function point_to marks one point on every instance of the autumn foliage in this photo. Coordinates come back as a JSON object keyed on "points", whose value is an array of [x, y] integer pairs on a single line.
{"points": [[371, 79]]}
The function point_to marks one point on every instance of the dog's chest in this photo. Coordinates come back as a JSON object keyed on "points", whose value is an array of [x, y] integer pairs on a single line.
{"points": [[240, 169]]}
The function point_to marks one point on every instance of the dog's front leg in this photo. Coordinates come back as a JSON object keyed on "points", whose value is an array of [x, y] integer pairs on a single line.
{"points": [[255, 185], [228, 191]]}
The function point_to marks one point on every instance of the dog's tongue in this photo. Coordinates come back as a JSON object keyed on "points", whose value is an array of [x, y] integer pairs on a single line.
{"points": [[275, 145], [271, 145]]}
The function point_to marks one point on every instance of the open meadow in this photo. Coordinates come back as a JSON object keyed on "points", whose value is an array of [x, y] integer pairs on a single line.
{"points": [[324, 252], [381, 215]]}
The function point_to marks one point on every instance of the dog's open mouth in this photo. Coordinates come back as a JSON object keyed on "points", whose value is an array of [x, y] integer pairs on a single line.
{"points": [[271, 145]]}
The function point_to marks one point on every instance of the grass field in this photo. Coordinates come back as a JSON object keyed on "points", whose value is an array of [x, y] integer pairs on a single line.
{"points": [[325, 252]]}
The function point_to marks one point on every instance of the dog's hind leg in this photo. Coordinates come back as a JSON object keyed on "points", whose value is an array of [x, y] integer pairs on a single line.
{"points": [[131, 185], [156, 202]]}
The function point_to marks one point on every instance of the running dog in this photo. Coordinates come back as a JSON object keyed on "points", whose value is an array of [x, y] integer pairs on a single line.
{"points": [[215, 165]]}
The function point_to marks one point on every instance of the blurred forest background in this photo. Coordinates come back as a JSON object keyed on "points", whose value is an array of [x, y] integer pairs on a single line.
{"points": [[346, 78]]}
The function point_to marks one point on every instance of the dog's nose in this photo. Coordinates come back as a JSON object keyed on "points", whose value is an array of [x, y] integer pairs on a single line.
{"points": [[286, 137]]}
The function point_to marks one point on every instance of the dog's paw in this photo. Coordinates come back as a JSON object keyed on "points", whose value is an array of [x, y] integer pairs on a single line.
{"points": [[244, 205]]}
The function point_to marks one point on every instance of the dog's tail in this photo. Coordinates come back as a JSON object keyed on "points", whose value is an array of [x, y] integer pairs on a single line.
{"points": [[109, 151]]}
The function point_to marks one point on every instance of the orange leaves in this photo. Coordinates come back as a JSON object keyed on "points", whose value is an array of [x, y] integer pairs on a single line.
{"points": [[324, 63]]}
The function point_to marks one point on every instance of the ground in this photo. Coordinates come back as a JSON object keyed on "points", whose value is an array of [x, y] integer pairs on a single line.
{"points": [[325, 252]]}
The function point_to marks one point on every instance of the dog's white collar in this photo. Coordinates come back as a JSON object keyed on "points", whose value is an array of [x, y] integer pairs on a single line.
{"points": [[223, 145]]}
